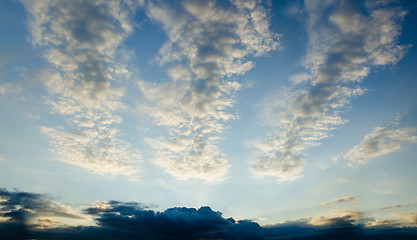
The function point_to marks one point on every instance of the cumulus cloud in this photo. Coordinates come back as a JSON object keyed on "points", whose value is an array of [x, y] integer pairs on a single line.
{"points": [[132, 220], [27, 207], [345, 42], [342, 216], [340, 200], [173, 223], [80, 40], [344, 224], [379, 142], [118, 220], [208, 44]]}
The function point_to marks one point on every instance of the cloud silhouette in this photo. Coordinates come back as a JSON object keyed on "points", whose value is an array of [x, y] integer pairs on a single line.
{"points": [[132, 220], [25, 207]]}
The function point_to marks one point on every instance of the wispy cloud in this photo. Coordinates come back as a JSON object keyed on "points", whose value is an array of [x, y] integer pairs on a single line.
{"points": [[9, 88], [80, 40], [345, 41], [209, 43], [379, 142], [340, 200], [398, 205]]}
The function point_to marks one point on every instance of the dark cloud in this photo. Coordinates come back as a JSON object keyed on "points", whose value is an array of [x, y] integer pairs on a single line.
{"points": [[174, 223], [131, 220], [23, 206]]}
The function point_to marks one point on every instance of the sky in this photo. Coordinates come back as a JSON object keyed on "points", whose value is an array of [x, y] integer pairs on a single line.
{"points": [[240, 119]]}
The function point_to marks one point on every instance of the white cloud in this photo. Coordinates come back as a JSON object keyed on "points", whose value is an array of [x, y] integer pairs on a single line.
{"points": [[209, 43], [407, 217], [379, 142], [80, 40], [9, 88], [344, 44], [339, 216]]}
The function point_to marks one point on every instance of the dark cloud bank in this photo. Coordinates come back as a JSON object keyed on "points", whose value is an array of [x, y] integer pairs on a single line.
{"points": [[131, 220]]}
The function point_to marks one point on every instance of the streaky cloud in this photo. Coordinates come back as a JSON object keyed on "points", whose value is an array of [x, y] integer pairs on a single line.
{"points": [[398, 205], [340, 200], [345, 42], [381, 141], [208, 44], [80, 40]]}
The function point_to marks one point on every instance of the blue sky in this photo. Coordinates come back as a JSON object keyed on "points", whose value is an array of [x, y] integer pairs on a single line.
{"points": [[267, 111]]}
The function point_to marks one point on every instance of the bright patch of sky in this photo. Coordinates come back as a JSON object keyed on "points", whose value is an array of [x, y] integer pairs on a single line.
{"points": [[269, 111]]}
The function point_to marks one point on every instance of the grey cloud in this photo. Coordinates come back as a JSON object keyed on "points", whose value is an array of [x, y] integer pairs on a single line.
{"points": [[340, 200], [208, 43], [173, 223], [25, 206], [344, 44], [132, 220], [404, 205], [80, 40]]}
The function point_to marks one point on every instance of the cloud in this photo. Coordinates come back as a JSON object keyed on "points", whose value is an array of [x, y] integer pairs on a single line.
{"points": [[26, 207], [80, 40], [33, 216], [174, 223], [342, 216], [405, 205], [345, 224], [9, 88], [345, 42], [208, 44], [407, 219], [340, 200], [381, 141], [120, 220]]}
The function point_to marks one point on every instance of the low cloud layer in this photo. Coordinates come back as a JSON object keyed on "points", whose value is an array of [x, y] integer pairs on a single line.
{"points": [[32, 208], [208, 44], [345, 41], [80, 41], [131, 220]]}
